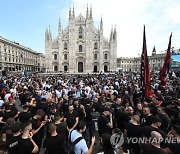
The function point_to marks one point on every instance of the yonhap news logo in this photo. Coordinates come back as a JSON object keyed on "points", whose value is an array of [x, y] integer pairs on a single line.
{"points": [[118, 139]]}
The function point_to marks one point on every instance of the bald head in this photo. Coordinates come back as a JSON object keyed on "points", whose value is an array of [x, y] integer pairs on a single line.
{"points": [[130, 110], [136, 118], [157, 137]]}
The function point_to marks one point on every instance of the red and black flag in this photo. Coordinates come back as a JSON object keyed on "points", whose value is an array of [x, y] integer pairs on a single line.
{"points": [[165, 69], [145, 70]]}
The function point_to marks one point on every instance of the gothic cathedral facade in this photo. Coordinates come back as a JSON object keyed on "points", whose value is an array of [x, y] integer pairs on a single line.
{"points": [[81, 47]]}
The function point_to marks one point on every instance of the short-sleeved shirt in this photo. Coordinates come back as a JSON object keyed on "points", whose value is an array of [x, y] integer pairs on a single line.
{"points": [[26, 146], [54, 144], [81, 146], [13, 144], [61, 128], [35, 125], [103, 125], [146, 131], [71, 118], [7, 130]]}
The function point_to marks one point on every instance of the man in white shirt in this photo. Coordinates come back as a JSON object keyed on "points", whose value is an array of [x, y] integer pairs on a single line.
{"points": [[7, 95], [1, 101], [81, 146]]}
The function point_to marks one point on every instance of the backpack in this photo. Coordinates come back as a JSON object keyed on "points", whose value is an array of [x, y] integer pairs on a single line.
{"points": [[72, 144]]}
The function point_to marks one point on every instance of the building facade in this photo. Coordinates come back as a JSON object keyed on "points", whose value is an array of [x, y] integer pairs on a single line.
{"points": [[156, 62], [81, 47], [17, 58], [41, 62]]}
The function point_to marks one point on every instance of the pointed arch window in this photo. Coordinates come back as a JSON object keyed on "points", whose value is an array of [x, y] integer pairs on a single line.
{"points": [[55, 56], [105, 56], [65, 46], [80, 48], [80, 32], [65, 56], [95, 56], [95, 45]]}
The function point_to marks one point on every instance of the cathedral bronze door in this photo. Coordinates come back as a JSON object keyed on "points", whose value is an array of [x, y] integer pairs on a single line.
{"points": [[80, 67], [105, 68], [95, 68], [55, 68]]}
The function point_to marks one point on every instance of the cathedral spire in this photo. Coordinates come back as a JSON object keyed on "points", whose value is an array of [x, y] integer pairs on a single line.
{"points": [[114, 34], [50, 36], [87, 12], [91, 12], [46, 30], [154, 51], [101, 24], [111, 35], [46, 34], [69, 13], [73, 12], [59, 28]]}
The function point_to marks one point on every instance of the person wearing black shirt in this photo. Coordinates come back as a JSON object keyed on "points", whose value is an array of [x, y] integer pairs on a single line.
{"points": [[37, 127], [55, 143], [174, 148], [88, 118], [79, 108], [133, 129], [24, 97], [104, 124], [147, 117], [96, 105], [13, 108], [117, 103], [120, 118], [165, 119], [156, 123], [13, 142], [129, 113], [61, 127], [33, 106], [8, 113], [6, 130], [53, 110], [138, 109], [44, 106], [25, 115], [154, 147], [27, 144], [106, 144], [71, 117]]}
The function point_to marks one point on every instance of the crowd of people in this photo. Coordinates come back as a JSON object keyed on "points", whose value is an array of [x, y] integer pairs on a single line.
{"points": [[81, 113]]}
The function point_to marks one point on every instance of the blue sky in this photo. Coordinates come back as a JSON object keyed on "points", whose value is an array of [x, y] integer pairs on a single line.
{"points": [[176, 58], [25, 21]]}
